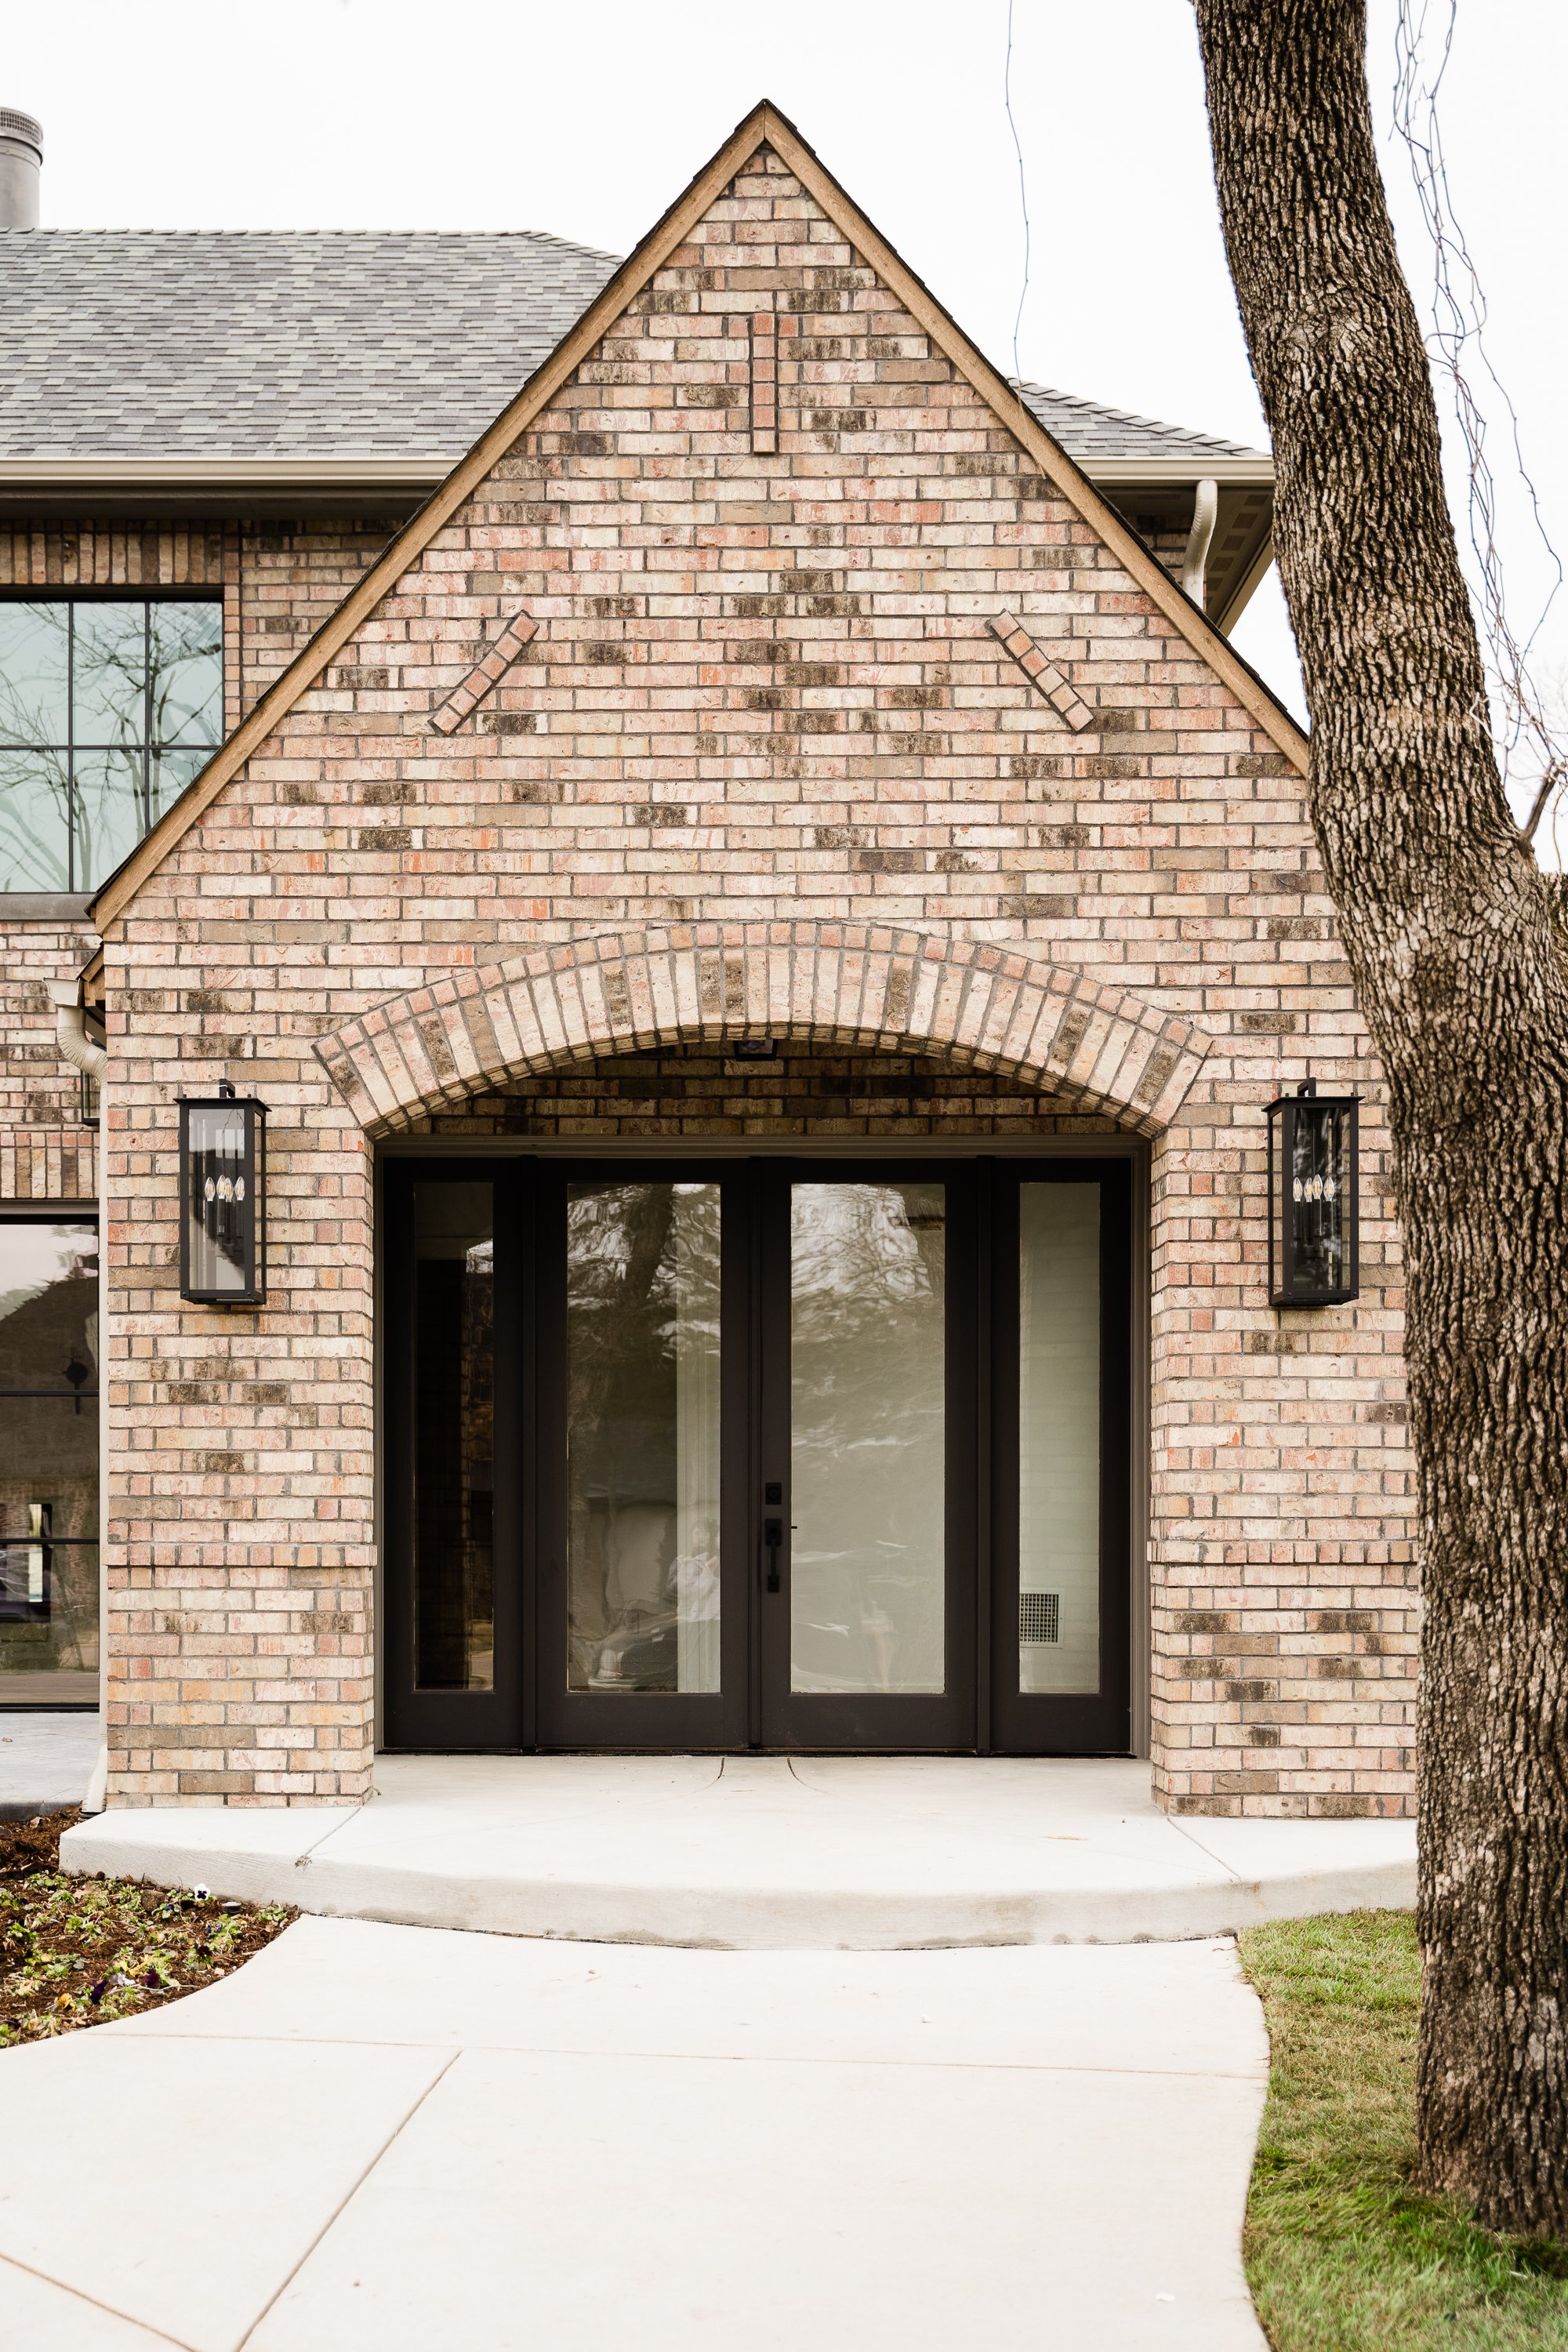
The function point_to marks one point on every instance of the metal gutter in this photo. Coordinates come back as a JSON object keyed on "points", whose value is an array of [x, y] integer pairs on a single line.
{"points": [[365, 472], [371, 470], [1154, 471]]}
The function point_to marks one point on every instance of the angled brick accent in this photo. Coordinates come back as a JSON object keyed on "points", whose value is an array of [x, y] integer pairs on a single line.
{"points": [[873, 986], [487, 674], [1043, 675]]}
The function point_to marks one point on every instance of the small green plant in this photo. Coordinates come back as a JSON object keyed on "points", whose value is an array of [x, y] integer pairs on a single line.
{"points": [[1343, 2254], [80, 1951]]}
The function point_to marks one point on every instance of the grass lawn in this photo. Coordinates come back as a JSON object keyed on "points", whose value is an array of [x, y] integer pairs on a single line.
{"points": [[1342, 2254], [79, 1951]]}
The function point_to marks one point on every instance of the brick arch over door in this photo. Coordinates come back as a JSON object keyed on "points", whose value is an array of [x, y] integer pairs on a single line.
{"points": [[873, 986]]}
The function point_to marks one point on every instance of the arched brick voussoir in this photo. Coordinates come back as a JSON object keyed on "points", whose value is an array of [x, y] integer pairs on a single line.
{"points": [[868, 985]]}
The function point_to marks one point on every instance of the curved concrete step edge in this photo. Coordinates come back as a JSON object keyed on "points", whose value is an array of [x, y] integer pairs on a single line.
{"points": [[723, 1917]]}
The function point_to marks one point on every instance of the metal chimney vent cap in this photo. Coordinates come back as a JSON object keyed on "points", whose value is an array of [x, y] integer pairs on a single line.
{"points": [[24, 129]]}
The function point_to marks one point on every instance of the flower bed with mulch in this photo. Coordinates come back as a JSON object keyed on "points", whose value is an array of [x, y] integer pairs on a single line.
{"points": [[79, 1951]]}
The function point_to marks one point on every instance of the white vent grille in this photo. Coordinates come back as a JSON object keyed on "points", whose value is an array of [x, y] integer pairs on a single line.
{"points": [[1039, 1617]]}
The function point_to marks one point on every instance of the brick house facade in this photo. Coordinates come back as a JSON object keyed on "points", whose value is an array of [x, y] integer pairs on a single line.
{"points": [[766, 673]]}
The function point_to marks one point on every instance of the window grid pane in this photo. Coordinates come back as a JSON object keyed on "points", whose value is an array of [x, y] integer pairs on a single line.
{"points": [[109, 706]]}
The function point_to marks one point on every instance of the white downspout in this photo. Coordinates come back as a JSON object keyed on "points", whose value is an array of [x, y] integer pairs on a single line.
{"points": [[1206, 509], [70, 1028], [71, 1033]]}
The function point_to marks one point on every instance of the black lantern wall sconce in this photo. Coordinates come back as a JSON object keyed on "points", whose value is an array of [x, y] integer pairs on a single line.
{"points": [[1314, 1199], [223, 1178]]}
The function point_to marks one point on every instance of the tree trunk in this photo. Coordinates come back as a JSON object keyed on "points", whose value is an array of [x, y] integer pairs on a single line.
{"points": [[1447, 926]]}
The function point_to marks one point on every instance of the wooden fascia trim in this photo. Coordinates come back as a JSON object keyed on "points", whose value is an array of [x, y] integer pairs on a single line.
{"points": [[416, 534], [763, 126], [1051, 458]]}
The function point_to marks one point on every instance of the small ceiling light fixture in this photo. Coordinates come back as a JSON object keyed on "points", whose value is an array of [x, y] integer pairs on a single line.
{"points": [[755, 1049], [1314, 1205], [223, 1177]]}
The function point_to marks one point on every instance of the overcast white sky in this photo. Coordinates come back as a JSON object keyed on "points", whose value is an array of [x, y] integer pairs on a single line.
{"points": [[587, 120]]}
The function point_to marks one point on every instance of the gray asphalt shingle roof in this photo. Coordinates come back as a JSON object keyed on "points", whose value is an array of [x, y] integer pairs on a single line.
{"points": [[120, 343], [1087, 430], [197, 344]]}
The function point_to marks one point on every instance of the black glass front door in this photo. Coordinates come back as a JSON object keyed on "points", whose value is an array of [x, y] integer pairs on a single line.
{"points": [[758, 1453]]}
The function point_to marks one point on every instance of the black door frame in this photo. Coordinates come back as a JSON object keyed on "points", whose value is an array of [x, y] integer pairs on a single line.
{"points": [[503, 1718], [1062, 1725], [983, 1708], [869, 1722], [639, 1720]]}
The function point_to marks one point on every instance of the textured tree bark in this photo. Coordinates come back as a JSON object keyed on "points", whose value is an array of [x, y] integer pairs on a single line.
{"points": [[1451, 934]]}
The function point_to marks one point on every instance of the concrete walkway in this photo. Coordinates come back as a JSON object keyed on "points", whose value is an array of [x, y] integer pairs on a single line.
{"points": [[767, 1852], [378, 2138]]}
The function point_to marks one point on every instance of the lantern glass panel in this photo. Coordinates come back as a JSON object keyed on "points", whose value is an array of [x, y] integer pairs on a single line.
{"points": [[1313, 1207], [222, 1184], [1320, 1161]]}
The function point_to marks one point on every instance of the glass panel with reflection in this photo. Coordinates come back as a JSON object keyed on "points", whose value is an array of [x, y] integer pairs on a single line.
{"points": [[35, 665], [107, 803], [108, 674], [1059, 1438], [48, 1462], [185, 673], [868, 1282], [642, 1437], [35, 821], [453, 1436], [107, 707]]}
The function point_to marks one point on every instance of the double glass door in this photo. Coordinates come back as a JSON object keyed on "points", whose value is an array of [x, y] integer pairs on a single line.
{"points": [[758, 1453]]}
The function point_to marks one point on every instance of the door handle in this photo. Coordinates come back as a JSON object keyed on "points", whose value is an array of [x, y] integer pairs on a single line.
{"points": [[773, 1537]]}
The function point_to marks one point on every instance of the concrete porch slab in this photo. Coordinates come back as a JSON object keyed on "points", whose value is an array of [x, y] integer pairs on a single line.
{"points": [[767, 1852]]}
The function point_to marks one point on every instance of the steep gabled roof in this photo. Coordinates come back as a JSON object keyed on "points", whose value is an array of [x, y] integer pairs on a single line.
{"points": [[763, 126], [271, 345]]}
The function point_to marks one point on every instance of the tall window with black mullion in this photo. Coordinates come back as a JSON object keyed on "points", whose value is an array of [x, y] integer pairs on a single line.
{"points": [[109, 706]]}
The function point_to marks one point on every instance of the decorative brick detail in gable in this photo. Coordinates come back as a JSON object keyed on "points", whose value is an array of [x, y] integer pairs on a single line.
{"points": [[487, 674], [767, 332], [892, 991], [1062, 696]]}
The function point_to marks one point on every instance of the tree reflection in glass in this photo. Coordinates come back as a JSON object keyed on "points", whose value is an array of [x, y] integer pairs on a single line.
{"points": [[642, 1352], [109, 706], [867, 1307], [49, 1460]]}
